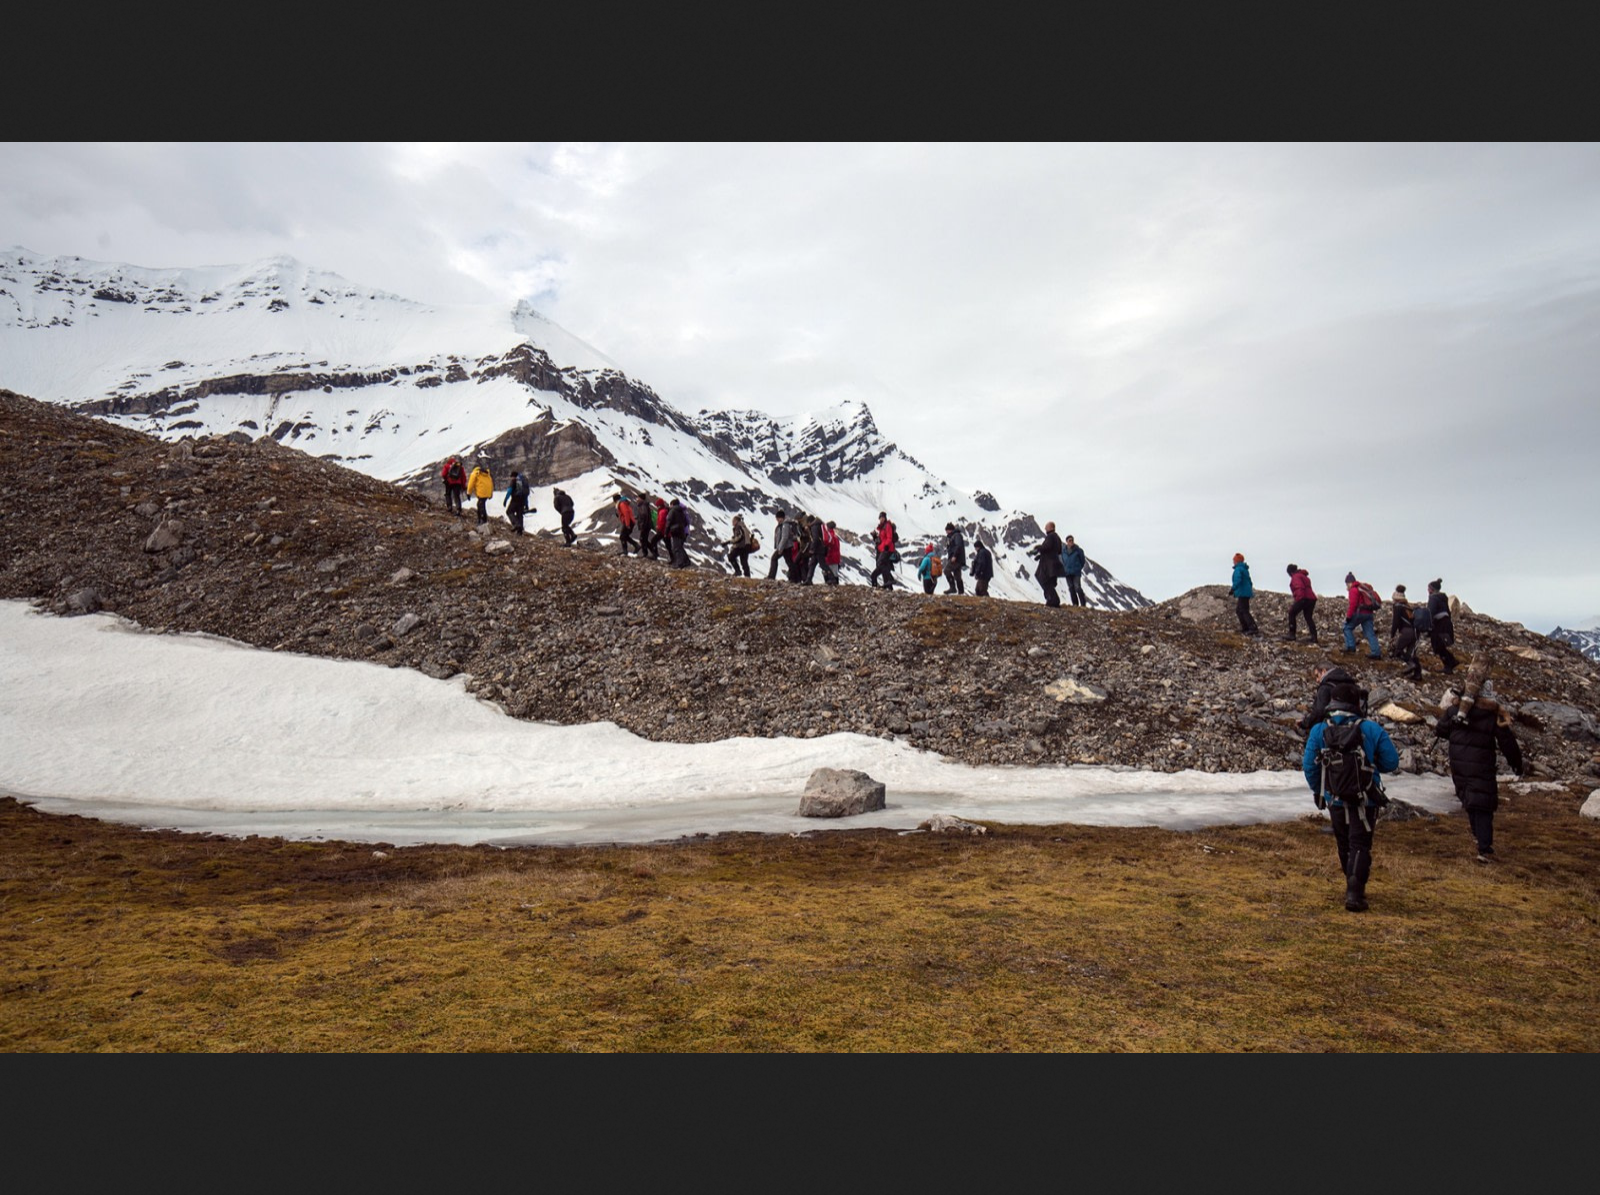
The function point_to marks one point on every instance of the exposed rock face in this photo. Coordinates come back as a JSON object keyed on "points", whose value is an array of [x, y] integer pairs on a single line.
{"points": [[1567, 720], [840, 792]]}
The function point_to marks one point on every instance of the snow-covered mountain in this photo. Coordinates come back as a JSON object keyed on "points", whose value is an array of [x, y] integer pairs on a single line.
{"points": [[392, 387], [1585, 637]]}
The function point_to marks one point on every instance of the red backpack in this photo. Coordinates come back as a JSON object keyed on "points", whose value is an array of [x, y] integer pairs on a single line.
{"points": [[1369, 599]]}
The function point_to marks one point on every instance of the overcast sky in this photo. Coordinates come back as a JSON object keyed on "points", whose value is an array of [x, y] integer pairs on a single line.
{"points": [[1383, 358]]}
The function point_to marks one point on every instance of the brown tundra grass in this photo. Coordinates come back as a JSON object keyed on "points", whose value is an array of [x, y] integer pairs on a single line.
{"points": [[1059, 938]]}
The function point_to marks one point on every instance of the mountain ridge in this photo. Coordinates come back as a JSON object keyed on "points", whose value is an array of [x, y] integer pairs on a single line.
{"points": [[393, 387]]}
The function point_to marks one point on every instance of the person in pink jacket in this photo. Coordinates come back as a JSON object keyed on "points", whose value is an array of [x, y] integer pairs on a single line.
{"points": [[1304, 601]]}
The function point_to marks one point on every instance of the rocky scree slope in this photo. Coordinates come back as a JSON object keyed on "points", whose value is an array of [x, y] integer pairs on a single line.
{"points": [[261, 543]]}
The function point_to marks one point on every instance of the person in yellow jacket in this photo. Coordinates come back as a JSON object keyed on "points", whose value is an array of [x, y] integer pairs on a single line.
{"points": [[481, 486]]}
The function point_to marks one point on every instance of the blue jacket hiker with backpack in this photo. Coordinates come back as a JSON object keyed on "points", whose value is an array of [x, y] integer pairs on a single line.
{"points": [[1345, 754]]}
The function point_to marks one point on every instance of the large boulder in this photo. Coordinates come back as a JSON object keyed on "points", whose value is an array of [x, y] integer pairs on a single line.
{"points": [[1591, 807], [840, 792], [1567, 720]]}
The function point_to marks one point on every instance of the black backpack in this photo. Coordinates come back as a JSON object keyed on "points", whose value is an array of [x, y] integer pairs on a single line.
{"points": [[1343, 768]]}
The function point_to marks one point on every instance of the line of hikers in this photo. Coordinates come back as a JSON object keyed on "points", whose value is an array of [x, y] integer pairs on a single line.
{"points": [[518, 496], [1407, 622], [1346, 755]]}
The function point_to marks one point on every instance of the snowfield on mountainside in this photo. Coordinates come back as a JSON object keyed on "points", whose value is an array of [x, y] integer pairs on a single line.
{"points": [[393, 387]]}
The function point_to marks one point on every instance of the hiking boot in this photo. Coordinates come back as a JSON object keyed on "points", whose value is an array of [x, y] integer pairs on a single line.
{"points": [[1355, 900], [1349, 651], [1483, 858]]}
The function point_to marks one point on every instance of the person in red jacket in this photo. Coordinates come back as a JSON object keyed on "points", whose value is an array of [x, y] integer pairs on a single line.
{"points": [[886, 553], [625, 517], [1303, 603], [831, 550], [455, 484], [1358, 615]]}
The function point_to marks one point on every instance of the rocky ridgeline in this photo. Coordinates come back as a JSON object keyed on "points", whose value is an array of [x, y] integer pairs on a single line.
{"points": [[261, 543]]}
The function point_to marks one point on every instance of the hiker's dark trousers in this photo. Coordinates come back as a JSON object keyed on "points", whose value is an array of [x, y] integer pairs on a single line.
{"points": [[772, 569], [1051, 597], [1351, 835], [1303, 607], [1075, 589], [452, 497], [483, 510], [1442, 650], [739, 560], [952, 579], [566, 526], [627, 541], [1247, 622]]}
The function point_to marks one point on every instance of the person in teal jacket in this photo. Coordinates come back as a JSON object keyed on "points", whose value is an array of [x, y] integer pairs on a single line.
{"points": [[1352, 824], [925, 571], [1243, 591]]}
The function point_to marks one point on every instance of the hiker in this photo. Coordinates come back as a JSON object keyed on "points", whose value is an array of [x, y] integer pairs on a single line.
{"points": [[1345, 756], [1303, 603], [481, 486], [1362, 604], [677, 534], [1472, 764], [517, 500], [1441, 629], [660, 517], [1072, 569], [563, 505], [798, 548], [1327, 680], [955, 559], [1048, 570], [455, 484], [1403, 634], [743, 544], [926, 569], [816, 548], [888, 554], [832, 549], [625, 521], [982, 569], [1242, 592], [644, 522], [783, 533]]}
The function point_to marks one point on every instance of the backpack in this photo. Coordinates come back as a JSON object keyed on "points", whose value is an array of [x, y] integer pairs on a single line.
{"points": [[687, 521], [1343, 765], [1369, 600], [936, 567], [755, 542]]}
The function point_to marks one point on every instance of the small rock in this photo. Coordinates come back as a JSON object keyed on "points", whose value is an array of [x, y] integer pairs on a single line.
{"points": [[166, 536], [85, 601], [401, 576], [495, 547], [944, 823], [1074, 691], [405, 624]]}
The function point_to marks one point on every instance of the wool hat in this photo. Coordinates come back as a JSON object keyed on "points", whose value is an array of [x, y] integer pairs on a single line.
{"points": [[1349, 578], [1238, 557]]}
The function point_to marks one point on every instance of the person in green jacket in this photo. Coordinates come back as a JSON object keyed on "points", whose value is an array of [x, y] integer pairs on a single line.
{"points": [[1243, 591]]}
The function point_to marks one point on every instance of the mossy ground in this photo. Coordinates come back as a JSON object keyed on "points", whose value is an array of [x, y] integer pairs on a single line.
{"points": [[1060, 938]]}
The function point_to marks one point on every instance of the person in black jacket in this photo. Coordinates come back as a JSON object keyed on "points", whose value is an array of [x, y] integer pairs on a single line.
{"points": [[955, 559], [1403, 634], [982, 569], [677, 534], [563, 505], [1473, 741], [1048, 573], [644, 522], [1327, 680], [815, 550], [1441, 634], [783, 533], [517, 500]]}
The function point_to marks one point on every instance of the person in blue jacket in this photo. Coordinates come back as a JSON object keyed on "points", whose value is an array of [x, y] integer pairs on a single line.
{"points": [[1353, 817], [1243, 591], [1072, 561]]}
